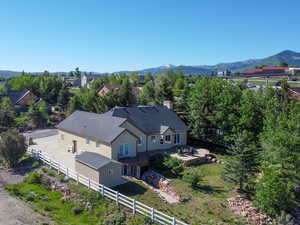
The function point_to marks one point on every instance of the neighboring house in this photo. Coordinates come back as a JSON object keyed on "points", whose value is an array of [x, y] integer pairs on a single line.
{"points": [[129, 135], [71, 81], [20, 98], [294, 93], [116, 87], [86, 79]]}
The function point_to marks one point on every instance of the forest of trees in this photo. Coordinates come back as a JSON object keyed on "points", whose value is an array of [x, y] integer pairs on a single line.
{"points": [[259, 130]]}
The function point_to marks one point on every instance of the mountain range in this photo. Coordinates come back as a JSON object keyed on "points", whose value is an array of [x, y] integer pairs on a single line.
{"points": [[288, 56]]}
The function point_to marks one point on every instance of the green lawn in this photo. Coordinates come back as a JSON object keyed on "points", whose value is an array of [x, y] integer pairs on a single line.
{"points": [[207, 204]]}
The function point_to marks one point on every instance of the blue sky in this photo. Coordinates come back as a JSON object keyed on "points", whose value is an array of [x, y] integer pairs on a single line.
{"points": [[113, 35]]}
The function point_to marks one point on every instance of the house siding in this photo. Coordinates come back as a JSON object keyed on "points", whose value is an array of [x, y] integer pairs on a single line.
{"points": [[139, 133], [87, 171], [124, 138], [109, 175], [156, 146], [68, 138]]}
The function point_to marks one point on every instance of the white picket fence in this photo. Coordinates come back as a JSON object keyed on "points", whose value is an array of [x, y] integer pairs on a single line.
{"points": [[120, 199]]}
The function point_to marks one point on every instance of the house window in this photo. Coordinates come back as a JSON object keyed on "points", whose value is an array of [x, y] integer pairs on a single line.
{"points": [[161, 141], [97, 144], [124, 150], [139, 141], [110, 171], [177, 139], [153, 139], [62, 137], [168, 138], [87, 141]]}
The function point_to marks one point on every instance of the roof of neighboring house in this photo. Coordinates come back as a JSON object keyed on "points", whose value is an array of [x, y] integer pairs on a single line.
{"points": [[15, 96], [295, 91], [93, 160], [150, 119], [98, 126], [265, 69], [115, 87]]}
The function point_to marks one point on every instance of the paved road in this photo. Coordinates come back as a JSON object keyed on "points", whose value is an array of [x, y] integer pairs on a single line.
{"points": [[14, 211], [41, 133]]}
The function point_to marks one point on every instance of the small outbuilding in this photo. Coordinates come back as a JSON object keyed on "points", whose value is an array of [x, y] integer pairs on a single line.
{"points": [[99, 168]]}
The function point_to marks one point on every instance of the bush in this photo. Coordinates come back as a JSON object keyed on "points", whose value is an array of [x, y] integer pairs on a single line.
{"points": [[61, 177], [30, 196], [36, 164], [174, 165], [192, 178], [77, 210], [13, 189], [137, 220], [12, 147], [115, 219], [34, 178], [156, 162], [48, 171]]}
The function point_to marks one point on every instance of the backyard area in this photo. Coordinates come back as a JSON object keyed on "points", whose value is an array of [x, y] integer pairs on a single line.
{"points": [[204, 204]]}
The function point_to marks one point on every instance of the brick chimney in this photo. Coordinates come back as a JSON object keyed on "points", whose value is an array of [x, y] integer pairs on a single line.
{"points": [[168, 104]]}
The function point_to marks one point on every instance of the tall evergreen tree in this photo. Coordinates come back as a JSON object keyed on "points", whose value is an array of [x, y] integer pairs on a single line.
{"points": [[242, 165]]}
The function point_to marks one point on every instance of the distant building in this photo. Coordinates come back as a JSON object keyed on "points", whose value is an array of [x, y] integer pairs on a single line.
{"points": [[116, 87], [294, 70], [266, 70], [86, 79], [71, 81]]}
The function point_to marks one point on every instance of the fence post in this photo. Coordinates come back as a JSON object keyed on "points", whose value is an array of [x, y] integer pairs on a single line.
{"points": [[174, 221], [133, 206], [77, 178], [67, 172], [89, 183], [58, 168], [152, 214], [102, 190], [50, 163], [117, 198]]}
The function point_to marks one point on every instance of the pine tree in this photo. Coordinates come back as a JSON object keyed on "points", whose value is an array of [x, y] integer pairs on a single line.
{"points": [[242, 166]]}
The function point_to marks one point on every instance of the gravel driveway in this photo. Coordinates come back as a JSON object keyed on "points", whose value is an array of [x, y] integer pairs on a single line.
{"points": [[13, 211]]}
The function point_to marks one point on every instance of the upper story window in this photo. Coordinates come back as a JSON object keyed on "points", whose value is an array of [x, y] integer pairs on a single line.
{"points": [[139, 141], [161, 140], [87, 141], [123, 150], [153, 139], [97, 144], [177, 139], [168, 138]]}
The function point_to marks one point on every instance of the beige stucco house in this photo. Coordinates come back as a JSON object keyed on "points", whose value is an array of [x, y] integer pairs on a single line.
{"points": [[128, 135]]}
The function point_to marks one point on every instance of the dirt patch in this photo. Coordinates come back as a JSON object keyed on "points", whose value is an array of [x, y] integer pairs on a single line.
{"points": [[14, 211]]}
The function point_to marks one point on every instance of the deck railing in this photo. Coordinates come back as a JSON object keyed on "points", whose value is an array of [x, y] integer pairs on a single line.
{"points": [[120, 199]]}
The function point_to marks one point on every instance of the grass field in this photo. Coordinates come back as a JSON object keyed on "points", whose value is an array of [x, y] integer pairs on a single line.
{"points": [[206, 204]]}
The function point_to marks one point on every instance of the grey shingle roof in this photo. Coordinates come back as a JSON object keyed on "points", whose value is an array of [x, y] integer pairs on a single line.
{"points": [[93, 160], [150, 119], [98, 126], [14, 96], [106, 127]]}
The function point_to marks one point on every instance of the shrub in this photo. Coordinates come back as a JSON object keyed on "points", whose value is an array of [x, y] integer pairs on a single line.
{"points": [[36, 164], [156, 162], [12, 147], [115, 219], [34, 178], [61, 177], [174, 165], [137, 220], [48, 171], [13, 189], [49, 208], [77, 210], [30, 196], [192, 178]]}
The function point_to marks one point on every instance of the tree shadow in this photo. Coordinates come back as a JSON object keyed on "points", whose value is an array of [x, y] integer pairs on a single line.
{"points": [[131, 189], [207, 189]]}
